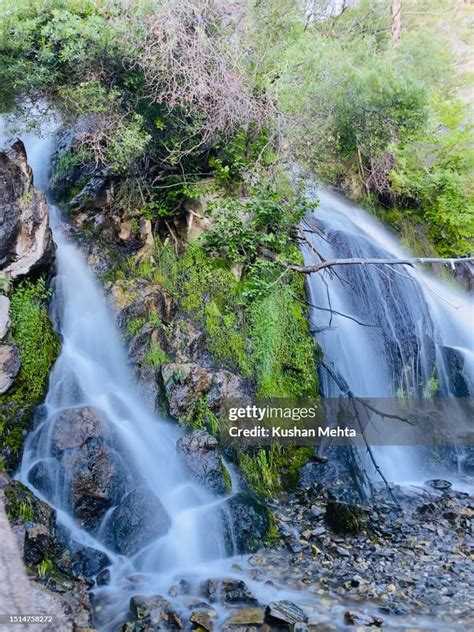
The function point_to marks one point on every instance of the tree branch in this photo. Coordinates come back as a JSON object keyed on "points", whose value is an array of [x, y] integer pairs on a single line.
{"points": [[409, 262]]}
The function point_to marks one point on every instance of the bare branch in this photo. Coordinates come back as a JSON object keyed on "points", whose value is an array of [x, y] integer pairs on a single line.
{"points": [[391, 262]]}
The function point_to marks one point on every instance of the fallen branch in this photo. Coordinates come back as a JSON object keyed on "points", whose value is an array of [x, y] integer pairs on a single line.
{"points": [[408, 262]]}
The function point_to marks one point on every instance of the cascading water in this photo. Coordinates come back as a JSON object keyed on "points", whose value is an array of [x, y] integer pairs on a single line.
{"points": [[91, 374], [387, 331]]}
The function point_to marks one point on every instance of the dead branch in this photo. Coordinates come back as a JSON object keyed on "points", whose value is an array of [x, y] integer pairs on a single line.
{"points": [[359, 261]]}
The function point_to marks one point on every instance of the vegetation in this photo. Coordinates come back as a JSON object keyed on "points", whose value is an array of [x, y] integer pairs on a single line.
{"points": [[38, 344], [186, 100]]}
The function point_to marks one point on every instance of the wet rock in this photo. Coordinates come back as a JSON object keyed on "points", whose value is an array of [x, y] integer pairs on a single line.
{"points": [[202, 619], [88, 561], [284, 612], [246, 616], [44, 474], [344, 517], [10, 365], [144, 607], [4, 316], [25, 235], [74, 426], [139, 519], [361, 619], [227, 591], [37, 544], [439, 484], [247, 520], [103, 578], [200, 451], [97, 480], [185, 383]]}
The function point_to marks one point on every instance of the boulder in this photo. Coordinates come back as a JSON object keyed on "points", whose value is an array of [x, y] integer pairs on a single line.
{"points": [[246, 616], [74, 426], [10, 365], [139, 519], [247, 522], [203, 619], [227, 590], [4, 316], [25, 236], [200, 451], [44, 476], [185, 383], [97, 480], [88, 561]]}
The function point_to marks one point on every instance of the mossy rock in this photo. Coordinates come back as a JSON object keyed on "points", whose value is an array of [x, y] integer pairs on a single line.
{"points": [[345, 518]]}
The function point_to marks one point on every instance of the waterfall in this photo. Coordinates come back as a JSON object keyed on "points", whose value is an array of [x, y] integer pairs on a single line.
{"points": [[386, 331], [91, 374]]}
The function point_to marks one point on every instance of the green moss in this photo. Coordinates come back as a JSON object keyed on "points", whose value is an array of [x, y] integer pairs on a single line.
{"points": [[155, 356], [32, 333], [227, 478]]}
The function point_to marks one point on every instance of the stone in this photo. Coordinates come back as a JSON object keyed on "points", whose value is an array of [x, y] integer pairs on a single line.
{"points": [[246, 616], [184, 383], [225, 386], [203, 619], [247, 522], [97, 480], [74, 426], [37, 544], [143, 607], [10, 364], [103, 578], [4, 316], [227, 591], [25, 236], [44, 474], [200, 452], [139, 519], [88, 561], [345, 517], [361, 619], [284, 612], [439, 484]]}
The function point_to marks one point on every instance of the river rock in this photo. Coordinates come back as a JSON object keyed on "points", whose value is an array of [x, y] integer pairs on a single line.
{"points": [[284, 612], [10, 365], [185, 383], [139, 519], [200, 451], [44, 475], [146, 607], [250, 522], [88, 561], [25, 235], [203, 619], [227, 590], [4, 316]]}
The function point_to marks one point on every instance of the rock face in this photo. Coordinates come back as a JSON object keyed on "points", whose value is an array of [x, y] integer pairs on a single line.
{"points": [[200, 451], [10, 364], [25, 235]]}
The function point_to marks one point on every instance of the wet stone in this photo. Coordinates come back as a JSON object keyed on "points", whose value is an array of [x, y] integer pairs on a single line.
{"points": [[285, 612]]}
